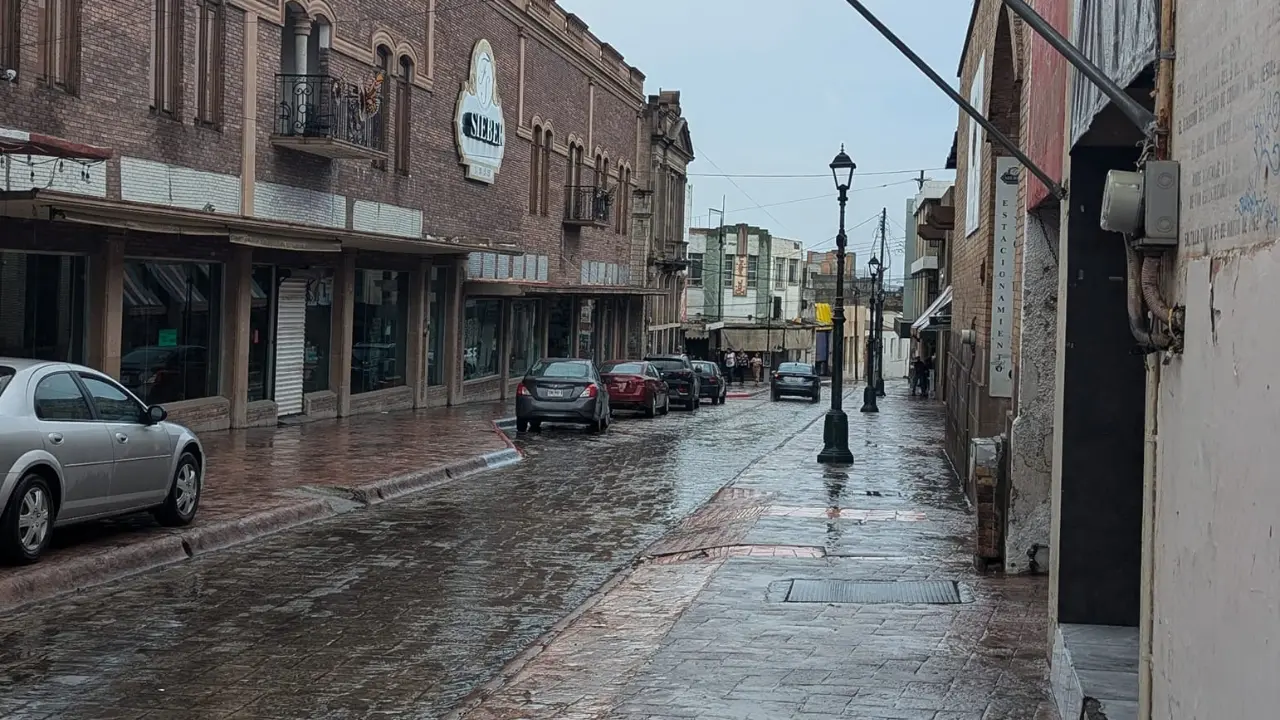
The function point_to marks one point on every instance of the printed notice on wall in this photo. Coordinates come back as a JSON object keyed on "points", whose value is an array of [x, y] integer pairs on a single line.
{"points": [[1000, 377]]}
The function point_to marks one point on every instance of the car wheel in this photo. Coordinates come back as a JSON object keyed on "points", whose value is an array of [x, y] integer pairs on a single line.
{"points": [[776, 397], [522, 425], [653, 407], [27, 523], [184, 494], [666, 404], [816, 397]]}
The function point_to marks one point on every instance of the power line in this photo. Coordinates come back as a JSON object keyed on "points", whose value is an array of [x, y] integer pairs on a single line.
{"points": [[812, 175], [744, 192], [826, 196]]}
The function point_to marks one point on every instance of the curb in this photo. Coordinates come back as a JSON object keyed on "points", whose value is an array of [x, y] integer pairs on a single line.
{"points": [[52, 580]]}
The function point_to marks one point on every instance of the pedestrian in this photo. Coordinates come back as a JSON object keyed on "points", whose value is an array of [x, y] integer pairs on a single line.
{"points": [[757, 366], [919, 376], [730, 366]]}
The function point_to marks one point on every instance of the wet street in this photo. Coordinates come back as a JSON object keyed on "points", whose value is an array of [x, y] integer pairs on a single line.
{"points": [[398, 610]]}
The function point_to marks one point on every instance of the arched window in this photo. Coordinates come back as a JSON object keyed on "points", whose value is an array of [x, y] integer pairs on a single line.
{"points": [[548, 142], [599, 177], [622, 219], [379, 125], [403, 114], [535, 170], [574, 176]]}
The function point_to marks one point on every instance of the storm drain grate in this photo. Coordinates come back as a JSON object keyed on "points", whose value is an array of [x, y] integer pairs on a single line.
{"points": [[851, 591]]}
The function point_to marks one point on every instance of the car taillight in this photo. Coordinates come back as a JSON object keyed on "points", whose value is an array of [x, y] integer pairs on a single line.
{"points": [[521, 389], [777, 376], [590, 392]]}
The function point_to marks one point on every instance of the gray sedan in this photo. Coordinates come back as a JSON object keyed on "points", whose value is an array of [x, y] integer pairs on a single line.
{"points": [[76, 446]]}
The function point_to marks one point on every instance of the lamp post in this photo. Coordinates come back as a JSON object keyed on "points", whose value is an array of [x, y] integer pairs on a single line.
{"points": [[869, 392], [835, 428]]}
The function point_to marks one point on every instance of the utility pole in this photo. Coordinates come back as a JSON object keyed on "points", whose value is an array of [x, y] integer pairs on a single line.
{"points": [[878, 329], [920, 182]]}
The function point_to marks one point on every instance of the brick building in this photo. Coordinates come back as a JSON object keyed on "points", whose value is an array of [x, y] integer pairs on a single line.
{"points": [[315, 209]]}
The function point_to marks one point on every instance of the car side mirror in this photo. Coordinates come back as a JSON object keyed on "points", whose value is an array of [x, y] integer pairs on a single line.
{"points": [[156, 415]]}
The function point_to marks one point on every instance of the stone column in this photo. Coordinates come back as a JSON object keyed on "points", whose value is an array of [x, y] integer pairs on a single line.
{"points": [[453, 317], [343, 314], [106, 306], [301, 34], [504, 346], [235, 317], [416, 352]]}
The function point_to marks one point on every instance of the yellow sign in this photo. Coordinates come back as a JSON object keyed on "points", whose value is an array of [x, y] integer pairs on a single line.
{"points": [[822, 313]]}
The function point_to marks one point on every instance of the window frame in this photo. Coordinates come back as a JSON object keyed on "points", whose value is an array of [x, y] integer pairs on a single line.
{"points": [[211, 52], [141, 407], [535, 170], [10, 34], [753, 271], [548, 143], [383, 58], [166, 58], [404, 114], [726, 269], [694, 278], [59, 43], [84, 396]]}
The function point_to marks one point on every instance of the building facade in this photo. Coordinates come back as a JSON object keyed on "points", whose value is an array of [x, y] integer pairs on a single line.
{"points": [[660, 254], [316, 209]]}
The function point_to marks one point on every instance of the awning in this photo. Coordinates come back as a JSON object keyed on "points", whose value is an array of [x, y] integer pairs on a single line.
{"points": [[766, 339], [19, 142], [138, 300], [590, 290], [935, 308], [177, 284]]}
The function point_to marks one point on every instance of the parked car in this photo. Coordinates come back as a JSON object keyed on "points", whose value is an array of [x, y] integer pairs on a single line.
{"points": [[562, 390], [712, 383], [75, 445], [796, 378], [678, 372], [159, 374], [636, 385]]}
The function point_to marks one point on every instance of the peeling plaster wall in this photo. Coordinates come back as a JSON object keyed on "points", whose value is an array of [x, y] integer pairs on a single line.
{"points": [[1217, 499], [1031, 442]]}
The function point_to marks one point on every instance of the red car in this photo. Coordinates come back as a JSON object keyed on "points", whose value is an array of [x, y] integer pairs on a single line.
{"points": [[635, 385]]}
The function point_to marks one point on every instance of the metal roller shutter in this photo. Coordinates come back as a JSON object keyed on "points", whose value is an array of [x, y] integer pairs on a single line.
{"points": [[291, 323]]}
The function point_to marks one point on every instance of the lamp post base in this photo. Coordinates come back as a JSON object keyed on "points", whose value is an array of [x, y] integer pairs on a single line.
{"points": [[835, 439], [880, 387], [869, 399]]}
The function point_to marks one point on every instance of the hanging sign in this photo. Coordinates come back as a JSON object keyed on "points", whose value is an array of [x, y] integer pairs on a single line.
{"points": [[479, 128], [1000, 382]]}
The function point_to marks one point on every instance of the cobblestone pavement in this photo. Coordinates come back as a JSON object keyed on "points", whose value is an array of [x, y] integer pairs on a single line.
{"points": [[260, 468], [398, 610], [702, 630]]}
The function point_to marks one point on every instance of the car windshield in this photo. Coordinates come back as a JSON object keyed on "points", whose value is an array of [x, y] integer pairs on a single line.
{"points": [[562, 369], [6, 374], [669, 364], [623, 368], [801, 368]]}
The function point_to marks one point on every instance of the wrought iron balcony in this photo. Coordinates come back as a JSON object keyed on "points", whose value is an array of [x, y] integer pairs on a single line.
{"points": [[329, 117], [587, 205]]}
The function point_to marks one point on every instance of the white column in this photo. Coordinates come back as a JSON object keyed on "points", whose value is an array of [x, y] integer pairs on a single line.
{"points": [[301, 35]]}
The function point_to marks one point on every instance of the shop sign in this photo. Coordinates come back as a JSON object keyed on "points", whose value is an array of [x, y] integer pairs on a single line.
{"points": [[479, 127], [1000, 383]]}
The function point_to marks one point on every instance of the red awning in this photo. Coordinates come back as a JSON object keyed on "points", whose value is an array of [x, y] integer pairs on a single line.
{"points": [[18, 142]]}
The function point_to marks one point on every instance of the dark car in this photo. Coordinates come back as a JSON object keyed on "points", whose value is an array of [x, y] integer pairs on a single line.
{"points": [[562, 390], [636, 385], [793, 379], [160, 374], [711, 382], [678, 371]]}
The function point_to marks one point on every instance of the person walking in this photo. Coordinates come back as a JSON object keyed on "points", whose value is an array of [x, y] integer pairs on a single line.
{"points": [[730, 366], [757, 366], [921, 370]]}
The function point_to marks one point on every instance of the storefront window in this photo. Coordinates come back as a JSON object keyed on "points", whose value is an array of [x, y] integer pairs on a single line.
{"points": [[379, 338], [526, 340], [481, 334], [170, 334], [261, 324], [435, 327], [586, 329], [42, 306], [560, 327], [315, 363]]}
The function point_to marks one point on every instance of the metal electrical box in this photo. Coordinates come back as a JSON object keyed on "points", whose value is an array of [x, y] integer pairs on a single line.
{"points": [[1159, 205]]}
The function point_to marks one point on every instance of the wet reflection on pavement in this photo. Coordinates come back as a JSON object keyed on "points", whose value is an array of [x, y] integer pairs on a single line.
{"points": [[398, 610]]}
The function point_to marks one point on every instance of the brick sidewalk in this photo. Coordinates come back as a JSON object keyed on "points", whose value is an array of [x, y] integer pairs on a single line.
{"points": [[704, 628], [262, 480]]}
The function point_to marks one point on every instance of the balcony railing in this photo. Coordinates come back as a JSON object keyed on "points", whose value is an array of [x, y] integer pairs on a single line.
{"points": [[328, 117], [587, 205]]}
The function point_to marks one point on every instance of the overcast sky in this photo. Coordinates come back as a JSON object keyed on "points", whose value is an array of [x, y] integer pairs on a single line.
{"points": [[774, 86]]}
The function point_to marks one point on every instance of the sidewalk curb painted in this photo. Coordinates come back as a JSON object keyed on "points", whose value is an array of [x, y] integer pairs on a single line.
{"points": [[58, 578]]}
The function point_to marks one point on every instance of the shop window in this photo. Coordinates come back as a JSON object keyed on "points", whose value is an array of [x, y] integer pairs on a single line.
{"points": [[261, 332], [481, 334], [379, 334], [42, 306], [170, 333], [560, 327], [586, 329], [318, 332], [435, 327], [526, 340]]}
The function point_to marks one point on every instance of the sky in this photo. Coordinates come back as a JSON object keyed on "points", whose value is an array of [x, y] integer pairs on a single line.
{"points": [[773, 87]]}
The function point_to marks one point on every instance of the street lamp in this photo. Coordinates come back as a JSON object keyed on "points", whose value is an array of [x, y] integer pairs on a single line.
{"points": [[869, 392], [835, 428]]}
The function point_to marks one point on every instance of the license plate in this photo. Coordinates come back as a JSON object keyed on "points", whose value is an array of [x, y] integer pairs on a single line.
{"points": [[620, 387], [555, 393], [793, 380]]}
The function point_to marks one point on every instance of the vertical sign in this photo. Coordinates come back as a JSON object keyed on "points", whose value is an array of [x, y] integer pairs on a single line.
{"points": [[973, 166], [740, 264], [1000, 380]]}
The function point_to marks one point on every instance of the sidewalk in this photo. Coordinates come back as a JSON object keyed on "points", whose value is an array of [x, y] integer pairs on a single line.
{"points": [[732, 616], [263, 480]]}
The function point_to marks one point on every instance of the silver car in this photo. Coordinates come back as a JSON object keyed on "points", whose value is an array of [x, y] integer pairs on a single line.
{"points": [[75, 446]]}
